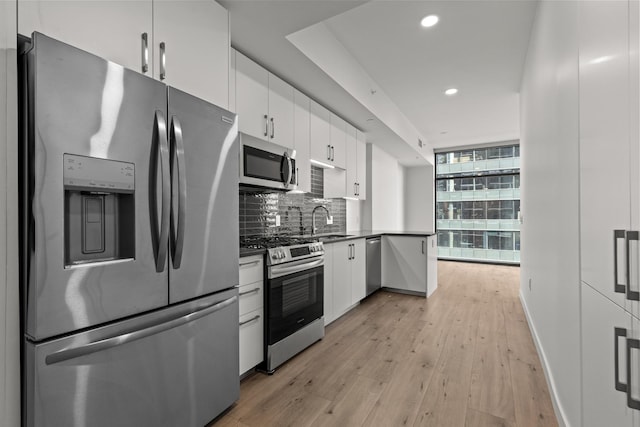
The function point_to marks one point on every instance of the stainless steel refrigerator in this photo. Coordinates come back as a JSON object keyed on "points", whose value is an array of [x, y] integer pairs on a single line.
{"points": [[129, 246]]}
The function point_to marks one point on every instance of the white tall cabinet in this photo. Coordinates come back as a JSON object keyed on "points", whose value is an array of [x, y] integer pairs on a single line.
{"points": [[184, 43], [609, 212]]}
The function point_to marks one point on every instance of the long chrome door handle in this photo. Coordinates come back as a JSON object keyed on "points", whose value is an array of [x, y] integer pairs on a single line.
{"points": [[273, 128], [328, 152], [256, 317], [252, 291], [244, 264], [631, 402], [160, 145], [163, 61], [631, 294], [145, 53], [266, 125], [617, 334], [118, 340], [617, 287], [177, 154], [333, 153], [422, 244]]}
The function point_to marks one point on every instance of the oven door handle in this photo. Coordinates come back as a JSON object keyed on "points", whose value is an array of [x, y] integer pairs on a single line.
{"points": [[279, 271]]}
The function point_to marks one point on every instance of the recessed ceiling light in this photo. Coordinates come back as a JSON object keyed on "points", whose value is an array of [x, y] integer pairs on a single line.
{"points": [[444, 132], [451, 91], [429, 21]]}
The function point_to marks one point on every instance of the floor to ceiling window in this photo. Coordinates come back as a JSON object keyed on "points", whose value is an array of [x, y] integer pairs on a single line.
{"points": [[478, 203]]}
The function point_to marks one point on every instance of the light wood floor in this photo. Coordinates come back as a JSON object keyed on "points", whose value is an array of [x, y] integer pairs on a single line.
{"points": [[464, 357]]}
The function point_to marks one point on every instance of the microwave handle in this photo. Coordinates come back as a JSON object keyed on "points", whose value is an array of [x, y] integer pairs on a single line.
{"points": [[287, 180]]}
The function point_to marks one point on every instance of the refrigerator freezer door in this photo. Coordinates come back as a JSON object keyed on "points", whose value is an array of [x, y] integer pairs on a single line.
{"points": [[204, 151], [85, 107], [173, 367]]}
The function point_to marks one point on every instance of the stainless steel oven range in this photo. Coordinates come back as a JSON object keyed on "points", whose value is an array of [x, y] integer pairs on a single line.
{"points": [[294, 299]]}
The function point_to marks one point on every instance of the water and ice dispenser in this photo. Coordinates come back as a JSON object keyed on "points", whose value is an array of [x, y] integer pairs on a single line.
{"points": [[99, 210]]}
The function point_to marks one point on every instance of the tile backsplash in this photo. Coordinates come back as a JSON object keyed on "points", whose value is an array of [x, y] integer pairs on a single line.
{"points": [[258, 211]]}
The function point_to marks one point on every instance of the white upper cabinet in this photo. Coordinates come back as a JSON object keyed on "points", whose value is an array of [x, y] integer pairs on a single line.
{"points": [[361, 165], [264, 103], [196, 48], [352, 162], [129, 32], [281, 109], [301, 124], [111, 30], [252, 97], [320, 133], [356, 163], [338, 142]]}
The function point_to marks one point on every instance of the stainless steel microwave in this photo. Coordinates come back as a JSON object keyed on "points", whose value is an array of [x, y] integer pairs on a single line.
{"points": [[265, 164]]}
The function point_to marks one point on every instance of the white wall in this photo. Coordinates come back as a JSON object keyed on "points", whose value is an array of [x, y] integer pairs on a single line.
{"points": [[549, 188], [9, 305], [384, 207], [419, 198]]}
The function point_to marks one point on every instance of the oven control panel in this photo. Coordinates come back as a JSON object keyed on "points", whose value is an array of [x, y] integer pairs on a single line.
{"points": [[284, 254]]}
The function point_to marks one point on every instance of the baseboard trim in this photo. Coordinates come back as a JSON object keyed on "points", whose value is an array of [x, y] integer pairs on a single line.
{"points": [[557, 407]]}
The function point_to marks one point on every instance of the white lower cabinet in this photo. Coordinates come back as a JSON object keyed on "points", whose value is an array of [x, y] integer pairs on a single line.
{"points": [[251, 340], [603, 404], [251, 311], [432, 264], [404, 263], [345, 277]]}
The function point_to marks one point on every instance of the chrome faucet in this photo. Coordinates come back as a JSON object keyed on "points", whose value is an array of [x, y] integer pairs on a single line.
{"points": [[313, 218]]}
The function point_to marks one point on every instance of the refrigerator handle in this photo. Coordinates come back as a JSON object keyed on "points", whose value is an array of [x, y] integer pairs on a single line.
{"points": [[160, 238], [118, 340], [177, 154]]}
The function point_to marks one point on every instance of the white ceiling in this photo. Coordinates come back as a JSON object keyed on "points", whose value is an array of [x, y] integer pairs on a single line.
{"points": [[478, 46]]}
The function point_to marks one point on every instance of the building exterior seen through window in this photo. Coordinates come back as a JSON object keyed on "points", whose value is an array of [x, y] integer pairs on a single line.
{"points": [[478, 204]]}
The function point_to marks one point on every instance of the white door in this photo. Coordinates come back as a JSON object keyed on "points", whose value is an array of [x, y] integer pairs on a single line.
{"points": [[604, 145], [112, 31], [280, 112], [358, 270], [196, 48], [361, 161], [341, 277], [338, 142], [320, 126], [328, 285], [301, 124], [603, 405], [404, 263], [352, 161], [252, 97]]}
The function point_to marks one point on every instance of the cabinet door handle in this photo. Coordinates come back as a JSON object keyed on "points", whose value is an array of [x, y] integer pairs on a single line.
{"points": [[631, 402], [256, 317], [355, 189], [328, 152], [252, 291], [163, 61], [631, 294], [273, 128], [145, 53], [422, 245], [297, 176], [333, 153], [358, 186], [617, 334], [617, 287], [266, 125]]}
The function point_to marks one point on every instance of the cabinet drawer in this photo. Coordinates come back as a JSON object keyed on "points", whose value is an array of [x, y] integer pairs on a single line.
{"points": [[251, 269], [251, 338], [250, 297]]}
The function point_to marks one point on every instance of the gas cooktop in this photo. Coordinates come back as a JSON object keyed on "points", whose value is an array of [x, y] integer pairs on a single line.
{"points": [[261, 242]]}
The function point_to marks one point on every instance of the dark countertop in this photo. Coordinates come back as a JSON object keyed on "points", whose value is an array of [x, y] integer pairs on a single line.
{"points": [[375, 233], [249, 252], [347, 236]]}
